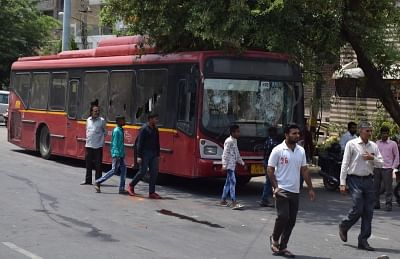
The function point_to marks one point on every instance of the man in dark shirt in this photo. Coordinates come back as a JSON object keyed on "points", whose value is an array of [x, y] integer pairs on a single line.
{"points": [[148, 155]]}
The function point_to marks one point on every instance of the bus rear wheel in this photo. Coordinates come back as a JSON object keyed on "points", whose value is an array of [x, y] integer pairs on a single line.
{"points": [[44, 142]]}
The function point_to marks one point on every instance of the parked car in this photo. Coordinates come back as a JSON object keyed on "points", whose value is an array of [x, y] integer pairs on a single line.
{"points": [[4, 105]]}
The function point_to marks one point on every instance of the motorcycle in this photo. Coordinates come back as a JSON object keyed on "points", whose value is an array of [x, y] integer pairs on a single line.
{"points": [[330, 163]]}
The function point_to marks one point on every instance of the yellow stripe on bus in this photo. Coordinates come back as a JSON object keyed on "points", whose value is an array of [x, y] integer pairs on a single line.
{"points": [[43, 112]]}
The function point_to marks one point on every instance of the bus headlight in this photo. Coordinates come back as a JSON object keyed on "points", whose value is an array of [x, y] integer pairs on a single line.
{"points": [[210, 150]]}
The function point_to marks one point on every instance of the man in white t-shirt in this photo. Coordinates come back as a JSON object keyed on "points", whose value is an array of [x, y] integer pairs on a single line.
{"points": [[285, 164]]}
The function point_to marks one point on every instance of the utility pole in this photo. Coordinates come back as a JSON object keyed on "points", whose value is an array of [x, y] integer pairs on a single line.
{"points": [[66, 22], [84, 10]]}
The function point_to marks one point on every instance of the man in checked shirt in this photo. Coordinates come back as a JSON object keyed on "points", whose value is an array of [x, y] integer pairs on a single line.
{"points": [[360, 158]]}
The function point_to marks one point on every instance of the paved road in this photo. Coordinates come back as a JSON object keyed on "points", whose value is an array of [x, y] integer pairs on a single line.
{"points": [[45, 213]]}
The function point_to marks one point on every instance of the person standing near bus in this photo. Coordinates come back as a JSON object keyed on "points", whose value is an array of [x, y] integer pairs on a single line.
{"points": [[118, 155], [95, 133], [230, 157], [349, 135], [148, 156], [285, 164], [271, 141], [360, 158]]}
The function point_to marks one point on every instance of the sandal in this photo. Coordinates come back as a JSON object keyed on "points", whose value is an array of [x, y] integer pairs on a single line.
{"points": [[274, 247], [287, 253]]}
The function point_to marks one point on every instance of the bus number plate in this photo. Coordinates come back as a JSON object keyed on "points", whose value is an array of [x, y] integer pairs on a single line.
{"points": [[257, 169]]}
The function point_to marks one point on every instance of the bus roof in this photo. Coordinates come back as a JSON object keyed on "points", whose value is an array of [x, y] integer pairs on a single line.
{"points": [[121, 51]]}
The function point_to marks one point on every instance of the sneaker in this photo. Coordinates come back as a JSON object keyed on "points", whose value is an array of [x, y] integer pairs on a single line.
{"points": [[131, 190], [123, 192], [223, 203], [342, 233], [97, 187], [237, 206], [154, 196]]}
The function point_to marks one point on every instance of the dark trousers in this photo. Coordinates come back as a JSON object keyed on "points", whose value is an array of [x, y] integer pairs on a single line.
{"points": [[363, 195], [94, 156], [383, 176], [149, 161], [287, 205], [396, 190]]}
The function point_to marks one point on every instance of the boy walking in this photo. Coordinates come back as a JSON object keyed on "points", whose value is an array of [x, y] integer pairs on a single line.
{"points": [[230, 157], [118, 155]]}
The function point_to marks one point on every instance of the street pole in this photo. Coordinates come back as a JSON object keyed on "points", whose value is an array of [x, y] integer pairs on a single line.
{"points": [[66, 22], [84, 10]]}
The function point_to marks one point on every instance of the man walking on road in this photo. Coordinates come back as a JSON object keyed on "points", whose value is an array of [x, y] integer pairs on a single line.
{"points": [[118, 155], [95, 133], [390, 154], [359, 159], [285, 164], [148, 156]]}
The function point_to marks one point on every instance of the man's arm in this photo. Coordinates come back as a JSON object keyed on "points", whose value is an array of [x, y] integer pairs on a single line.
{"points": [[271, 176], [306, 176], [396, 156]]}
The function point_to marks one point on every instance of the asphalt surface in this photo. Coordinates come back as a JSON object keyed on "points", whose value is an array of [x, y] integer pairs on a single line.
{"points": [[45, 213]]}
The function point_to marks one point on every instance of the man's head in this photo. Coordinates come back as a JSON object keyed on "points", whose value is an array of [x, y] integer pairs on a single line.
{"points": [[94, 111], [352, 127], [385, 133], [120, 120], [234, 131], [292, 133], [365, 130], [152, 119]]}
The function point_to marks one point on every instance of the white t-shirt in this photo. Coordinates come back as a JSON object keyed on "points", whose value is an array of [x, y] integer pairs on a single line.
{"points": [[287, 165]]}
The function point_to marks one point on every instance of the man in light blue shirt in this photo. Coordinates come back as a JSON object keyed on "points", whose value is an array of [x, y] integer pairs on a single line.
{"points": [[349, 135]]}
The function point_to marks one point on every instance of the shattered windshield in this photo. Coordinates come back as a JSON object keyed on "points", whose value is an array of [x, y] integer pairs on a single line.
{"points": [[255, 105]]}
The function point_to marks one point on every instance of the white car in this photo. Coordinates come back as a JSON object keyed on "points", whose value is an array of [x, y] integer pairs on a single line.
{"points": [[3, 104]]}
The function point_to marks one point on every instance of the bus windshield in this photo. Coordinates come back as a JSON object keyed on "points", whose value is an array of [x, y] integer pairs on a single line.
{"points": [[255, 105]]}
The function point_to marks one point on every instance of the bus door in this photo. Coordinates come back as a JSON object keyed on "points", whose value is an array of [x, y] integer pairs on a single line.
{"points": [[184, 140], [72, 130]]}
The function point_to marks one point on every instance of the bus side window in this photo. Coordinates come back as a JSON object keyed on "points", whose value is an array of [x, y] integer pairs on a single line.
{"points": [[58, 92], [186, 106], [151, 94], [121, 94], [22, 86], [95, 86], [40, 91], [73, 98]]}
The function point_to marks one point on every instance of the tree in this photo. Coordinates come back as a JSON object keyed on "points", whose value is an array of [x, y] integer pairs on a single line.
{"points": [[312, 31], [23, 31]]}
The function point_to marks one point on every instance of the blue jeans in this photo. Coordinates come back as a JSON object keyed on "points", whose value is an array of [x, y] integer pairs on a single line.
{"points": [[267, 191], [230, 185], [363, 195], [149, 161], [118, 163]]}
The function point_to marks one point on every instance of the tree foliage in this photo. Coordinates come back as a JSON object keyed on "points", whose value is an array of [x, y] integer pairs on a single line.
{"points": [[23, 31], [312, 31]]}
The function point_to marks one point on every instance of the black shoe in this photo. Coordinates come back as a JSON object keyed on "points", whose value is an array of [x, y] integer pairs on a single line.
{"points": [[388, 208], [97, 187], [365, 246], [377, 207], [85, 183], [342, 233], [123, 192], [266, 204]]}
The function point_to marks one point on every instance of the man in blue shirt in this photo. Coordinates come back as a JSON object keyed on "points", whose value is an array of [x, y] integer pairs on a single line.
{"points": [[148, 156], [118, 155]]}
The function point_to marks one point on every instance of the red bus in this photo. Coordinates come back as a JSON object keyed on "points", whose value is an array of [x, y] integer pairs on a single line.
{"points": [[197, 95]]}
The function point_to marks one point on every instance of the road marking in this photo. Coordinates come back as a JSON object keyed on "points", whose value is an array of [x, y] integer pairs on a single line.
{"points": [[21, 250]]}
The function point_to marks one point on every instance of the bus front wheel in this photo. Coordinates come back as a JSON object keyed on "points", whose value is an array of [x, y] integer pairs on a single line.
{"points": [[44, 143]]}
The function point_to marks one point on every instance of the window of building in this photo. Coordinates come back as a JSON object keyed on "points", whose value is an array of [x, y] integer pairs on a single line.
{"points": [[40, 91], [151, 94], [121, 95], [58, 92], [22, 86], [95, 88]]}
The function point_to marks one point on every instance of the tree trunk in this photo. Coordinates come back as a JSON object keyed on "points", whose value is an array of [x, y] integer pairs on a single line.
{"points": [[376, 82]]}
